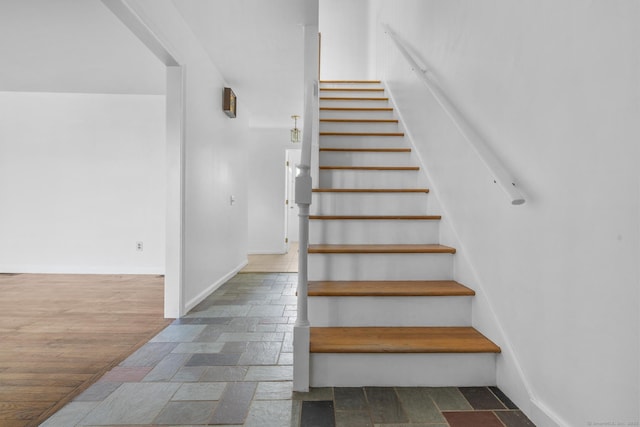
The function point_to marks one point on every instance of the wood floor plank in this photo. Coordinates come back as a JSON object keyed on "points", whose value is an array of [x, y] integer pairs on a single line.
{"points": [[60, 333]]}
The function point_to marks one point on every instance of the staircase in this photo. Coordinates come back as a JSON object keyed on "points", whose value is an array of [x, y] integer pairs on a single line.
{"points": [[383, 308]]}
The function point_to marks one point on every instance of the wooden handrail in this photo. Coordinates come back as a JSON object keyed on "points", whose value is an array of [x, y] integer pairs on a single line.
{"points": [[479, 146]]}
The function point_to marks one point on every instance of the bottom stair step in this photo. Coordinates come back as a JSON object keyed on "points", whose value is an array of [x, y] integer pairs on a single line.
{"points": [[401, 357], [400, 340]]}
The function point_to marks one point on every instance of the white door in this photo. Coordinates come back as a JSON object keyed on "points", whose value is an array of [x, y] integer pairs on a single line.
{"points": [[291, 215]]}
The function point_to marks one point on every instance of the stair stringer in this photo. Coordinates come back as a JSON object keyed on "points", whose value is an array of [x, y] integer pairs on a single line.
{"points": [[510, 376]]}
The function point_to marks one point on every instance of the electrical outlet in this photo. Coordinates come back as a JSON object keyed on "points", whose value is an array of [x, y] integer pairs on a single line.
{"points": [[139, 246]]}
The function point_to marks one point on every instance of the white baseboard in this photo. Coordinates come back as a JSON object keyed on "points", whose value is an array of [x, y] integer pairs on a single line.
{"points": [[209, 290], [543, 416], [77, 269]]}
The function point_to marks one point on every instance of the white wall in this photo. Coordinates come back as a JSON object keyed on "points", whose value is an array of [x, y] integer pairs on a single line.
{"points": [[267, 176], [215, 147], [81, 181], [553, 86], [345, 46]]}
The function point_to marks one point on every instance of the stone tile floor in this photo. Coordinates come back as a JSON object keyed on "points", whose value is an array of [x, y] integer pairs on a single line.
{"points": [[228, 363]]}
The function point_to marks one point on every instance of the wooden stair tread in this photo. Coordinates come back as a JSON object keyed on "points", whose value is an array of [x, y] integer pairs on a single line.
{"points": [[361, 133], [350, 81], [348, 288], [352, 98], [370, 190], [359, 120], [353, 89], [377, 217], [372, 168], [381, 249], [368, 150], [400, 340], [356, 108]]}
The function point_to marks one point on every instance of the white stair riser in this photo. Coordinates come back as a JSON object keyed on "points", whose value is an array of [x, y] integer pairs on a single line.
{"points": [[373, 232], [352, 85], [356, 114], [370, 179], [403, 370], [365, 141], [358, 158], [352, 93], [354, 103], [369, 204], [380, 267], [390, 311], [358, 127]]}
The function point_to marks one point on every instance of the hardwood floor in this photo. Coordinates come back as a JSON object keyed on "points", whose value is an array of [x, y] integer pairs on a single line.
{"points": [[60, 333]]}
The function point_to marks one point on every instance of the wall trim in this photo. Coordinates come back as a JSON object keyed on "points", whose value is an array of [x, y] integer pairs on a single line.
{"points": [[210, 289]]}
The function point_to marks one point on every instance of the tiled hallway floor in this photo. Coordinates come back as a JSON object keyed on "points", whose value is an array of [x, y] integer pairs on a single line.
{"points": [[228, 363]]}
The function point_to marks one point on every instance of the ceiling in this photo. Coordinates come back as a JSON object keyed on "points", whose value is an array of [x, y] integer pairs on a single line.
{"points": [[80, 46]]}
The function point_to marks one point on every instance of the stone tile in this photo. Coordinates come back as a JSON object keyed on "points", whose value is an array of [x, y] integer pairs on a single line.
{"points": [[149, 354], [211, 333], [202, 321], [287, 344], [213, 359], [385, 406], [274, 390], [503, 398], [266, 310], [317, 413], [224, 373], [284, 328], [98, 391], [121, 374], [132, 403], [186, 413], [269, 413], [273, 320], [250, 336], [261, 353], [222, 311], [418, 405], [242, 324], [200, 391], [234, 347], [267, 328], [188, 374], [234, 404], [285, 359], [198, 347], [514, 419], [167, 368], [270, 373], [350, 399], [448, 399], [315, 393], [179, 333], [472, 418], [481, 398], [353, 419], [70, 415]]}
